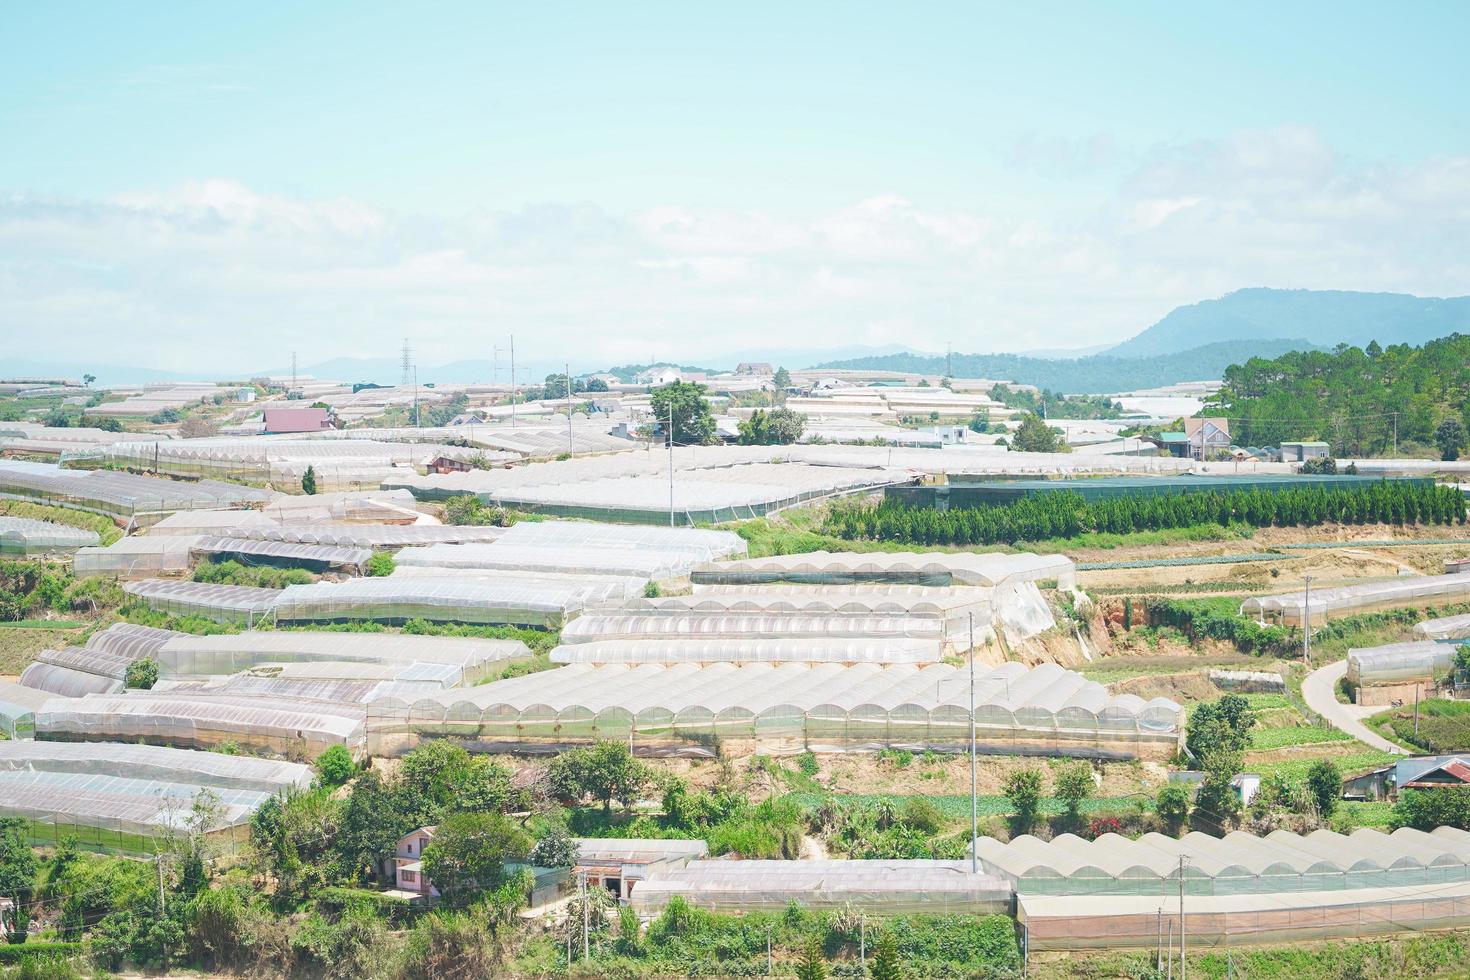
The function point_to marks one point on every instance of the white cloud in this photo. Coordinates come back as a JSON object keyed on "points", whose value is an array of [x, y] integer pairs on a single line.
{"points": [[215, 275]]}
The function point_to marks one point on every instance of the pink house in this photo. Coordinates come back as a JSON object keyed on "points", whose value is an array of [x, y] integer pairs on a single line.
{"points": [[408, 863], [296, 420]]}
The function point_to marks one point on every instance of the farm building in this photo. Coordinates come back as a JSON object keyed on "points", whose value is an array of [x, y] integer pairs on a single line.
{"points": [[699, 709], [1398, 671]]}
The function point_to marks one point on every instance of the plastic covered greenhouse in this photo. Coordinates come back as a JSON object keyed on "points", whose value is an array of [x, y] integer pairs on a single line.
{"points": [[118, 494], [236, 522], [91, 660], [24, 536], [375, 536], [519, 600], [241, 604], [67, 682], [156, 762], [646, 625], [1397, 663], [1289, 608], [703, 544], [641, 563], [18, 705], [472, 659], [130, 641], [136, 556], [749, 648], [317, 557], [891, 887], [275, 724], [353, 506], [786, 708], [895, 568], [1447, 628]]}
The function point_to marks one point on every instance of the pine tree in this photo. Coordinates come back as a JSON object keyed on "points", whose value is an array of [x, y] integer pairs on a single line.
{"points": [[885, 959], [308, 481], [812, 965]]}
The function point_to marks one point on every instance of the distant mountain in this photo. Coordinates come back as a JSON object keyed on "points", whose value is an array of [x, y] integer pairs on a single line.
{"points": [[1098, 374], [1324, 318]]}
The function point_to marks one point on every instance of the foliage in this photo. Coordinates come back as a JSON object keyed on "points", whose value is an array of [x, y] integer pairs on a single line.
{"points": [[1357, 401], [1324, 783], [605, 771], [778, 427], [1072, 784], [1443, 725], [467, 510], [1172, 806], [141, 674], [308, 481], [1039, 517], [555, 849], [1449, 437], [1056, 404], [18, 870], [256, 576], [1448, 806], [335, 766], [1035, 436], [782, 378], [1222, 725], [693, 423], [1023, 789], [380, 565], [812, 965], [469, 852]]}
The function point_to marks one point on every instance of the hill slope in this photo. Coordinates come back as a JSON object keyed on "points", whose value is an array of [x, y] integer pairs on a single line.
{"points": [[1324, 318], [1099, 374]]}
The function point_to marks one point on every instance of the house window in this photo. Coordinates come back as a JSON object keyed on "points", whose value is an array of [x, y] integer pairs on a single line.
{"points": [[409, 877]]}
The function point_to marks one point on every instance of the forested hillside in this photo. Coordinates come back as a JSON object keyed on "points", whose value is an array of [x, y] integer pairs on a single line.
{"points": [[1098, 374], [1351, 397]]}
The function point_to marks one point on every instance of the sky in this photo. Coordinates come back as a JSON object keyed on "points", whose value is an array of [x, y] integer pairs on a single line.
{"points": [[199, 187]]}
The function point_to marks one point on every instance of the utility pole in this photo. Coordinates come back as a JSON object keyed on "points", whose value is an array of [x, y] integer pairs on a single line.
{"points": [[974, 773], [1183, 966], [512, 381], [417, 421], [671, 462], [1395, 433], [571, 444], [1416, 709], [1307, 623], [768, 949], [586, 948]]}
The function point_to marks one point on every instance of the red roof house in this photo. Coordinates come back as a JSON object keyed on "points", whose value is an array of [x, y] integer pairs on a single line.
{"points": [[296, 420]]}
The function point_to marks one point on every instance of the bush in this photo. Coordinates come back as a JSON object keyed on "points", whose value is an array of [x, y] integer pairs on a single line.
{"points": [[335, 766], [1023, 789], [141, 674], [380, 565], [1172, 806]]}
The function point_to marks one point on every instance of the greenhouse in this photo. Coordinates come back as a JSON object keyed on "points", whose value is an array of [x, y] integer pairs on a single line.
{"points": [[471, 659], [136, 556], [659, 625], [279, 725], [893, 887], [350, 506], [313, 557], [67, 682], [1288, 608], [374, 536], [896, 568], [786, 708], [24, 536], [516, 601], [703, 544], [130, 641], [1237, 864], [777, 647], [235, 522], [90, 660], [156, 762], [639, 563], [1400, 663], [1447, 628], [242, 604], [18, 705], [118, 494]]}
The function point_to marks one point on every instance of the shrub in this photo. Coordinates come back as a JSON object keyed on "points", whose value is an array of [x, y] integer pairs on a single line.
{"points": [[380, 565], [335, 766], [1023, 789], [141, 674]]}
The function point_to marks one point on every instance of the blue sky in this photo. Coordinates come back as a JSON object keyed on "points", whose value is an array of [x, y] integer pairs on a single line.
{"points": [[852, 172]]}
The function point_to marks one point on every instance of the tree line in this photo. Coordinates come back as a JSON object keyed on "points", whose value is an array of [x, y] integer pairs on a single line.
{"points": [[1062, 515]]}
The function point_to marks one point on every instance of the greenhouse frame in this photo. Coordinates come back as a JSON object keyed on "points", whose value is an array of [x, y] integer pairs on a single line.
{"points": [[1288, 609], [130, 641], [25, 536], [775, 647], [136, 556], [120, 495], [378, 537], [157, 762], [642, 625], [1446, 628], [313, 557], [701, 710], [18, 706], [884, 887], [241, 604], [702, 543], [1400, 663], [67, 682]]}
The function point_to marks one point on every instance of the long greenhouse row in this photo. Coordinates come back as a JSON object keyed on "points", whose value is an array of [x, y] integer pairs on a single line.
{"points": [[1292, 608]]}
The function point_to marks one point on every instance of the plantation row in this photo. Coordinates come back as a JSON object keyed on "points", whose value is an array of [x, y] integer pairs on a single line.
{"points": [[1063, 515]]}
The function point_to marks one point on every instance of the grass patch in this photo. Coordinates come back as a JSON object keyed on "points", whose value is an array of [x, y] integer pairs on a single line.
{"points": [[19, 646], [45, 624], [1280, 738], [1444, 725]]}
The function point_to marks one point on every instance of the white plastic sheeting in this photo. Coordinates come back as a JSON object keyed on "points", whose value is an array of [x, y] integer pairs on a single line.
{"points": [[1447, 628], [281, 552], [156, 762], [117, 494], [1399, 662], [910, 568], [705, 545], [67, 682], [621, 625], [18, 705], [24, 536], [130, 641], [891, 887], [521, 600], [1238, 863], [123, 807], [137, 556], [637, 562], [210, 522], [749, 649], [352, 506], [1043, 709], [374, 536], [1290, 608], [221, 603]]}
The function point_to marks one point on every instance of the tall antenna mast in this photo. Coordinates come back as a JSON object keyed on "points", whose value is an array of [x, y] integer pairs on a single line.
{"points": [[293, 369], [406, 375], [512, 381], [948, 360]]}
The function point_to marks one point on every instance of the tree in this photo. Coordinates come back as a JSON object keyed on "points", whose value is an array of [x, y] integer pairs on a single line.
{"points": [[18, 869], [606, 771], [596, 384], [87, 379], [1449, 436], [335, 766], [556, 387], [141, 674], [812, 965], [1324, 783], [441, 776], [782, 378], [1221, 725], [778, 427], [1172, 806], [308, 481], [1073, 785], [555, 849], [1035, 436], [469, 852], [885, 964], [1425, 809], [381, 564], [108, 424], [980, 420], [1023, 789], [693, 423]]}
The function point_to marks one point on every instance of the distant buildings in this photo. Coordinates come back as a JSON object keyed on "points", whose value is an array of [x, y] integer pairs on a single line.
{"points": [[1300, 452], [1207, 437], [754, 368], [282, 420]]}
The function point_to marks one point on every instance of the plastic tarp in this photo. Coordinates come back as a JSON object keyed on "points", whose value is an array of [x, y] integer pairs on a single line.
{"points": [[1291, 608], [636, 562], [156, 762], [374, 536], [66, 682], [899, 568], [221, 603], [24, 536], [705, 545], [118, 494]]}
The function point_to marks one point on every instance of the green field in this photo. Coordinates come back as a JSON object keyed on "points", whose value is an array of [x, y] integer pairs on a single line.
{"points": [[1444, 726]]}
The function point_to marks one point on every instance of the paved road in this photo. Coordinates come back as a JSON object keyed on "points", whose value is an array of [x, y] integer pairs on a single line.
{"points": [[1319, 691]]}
